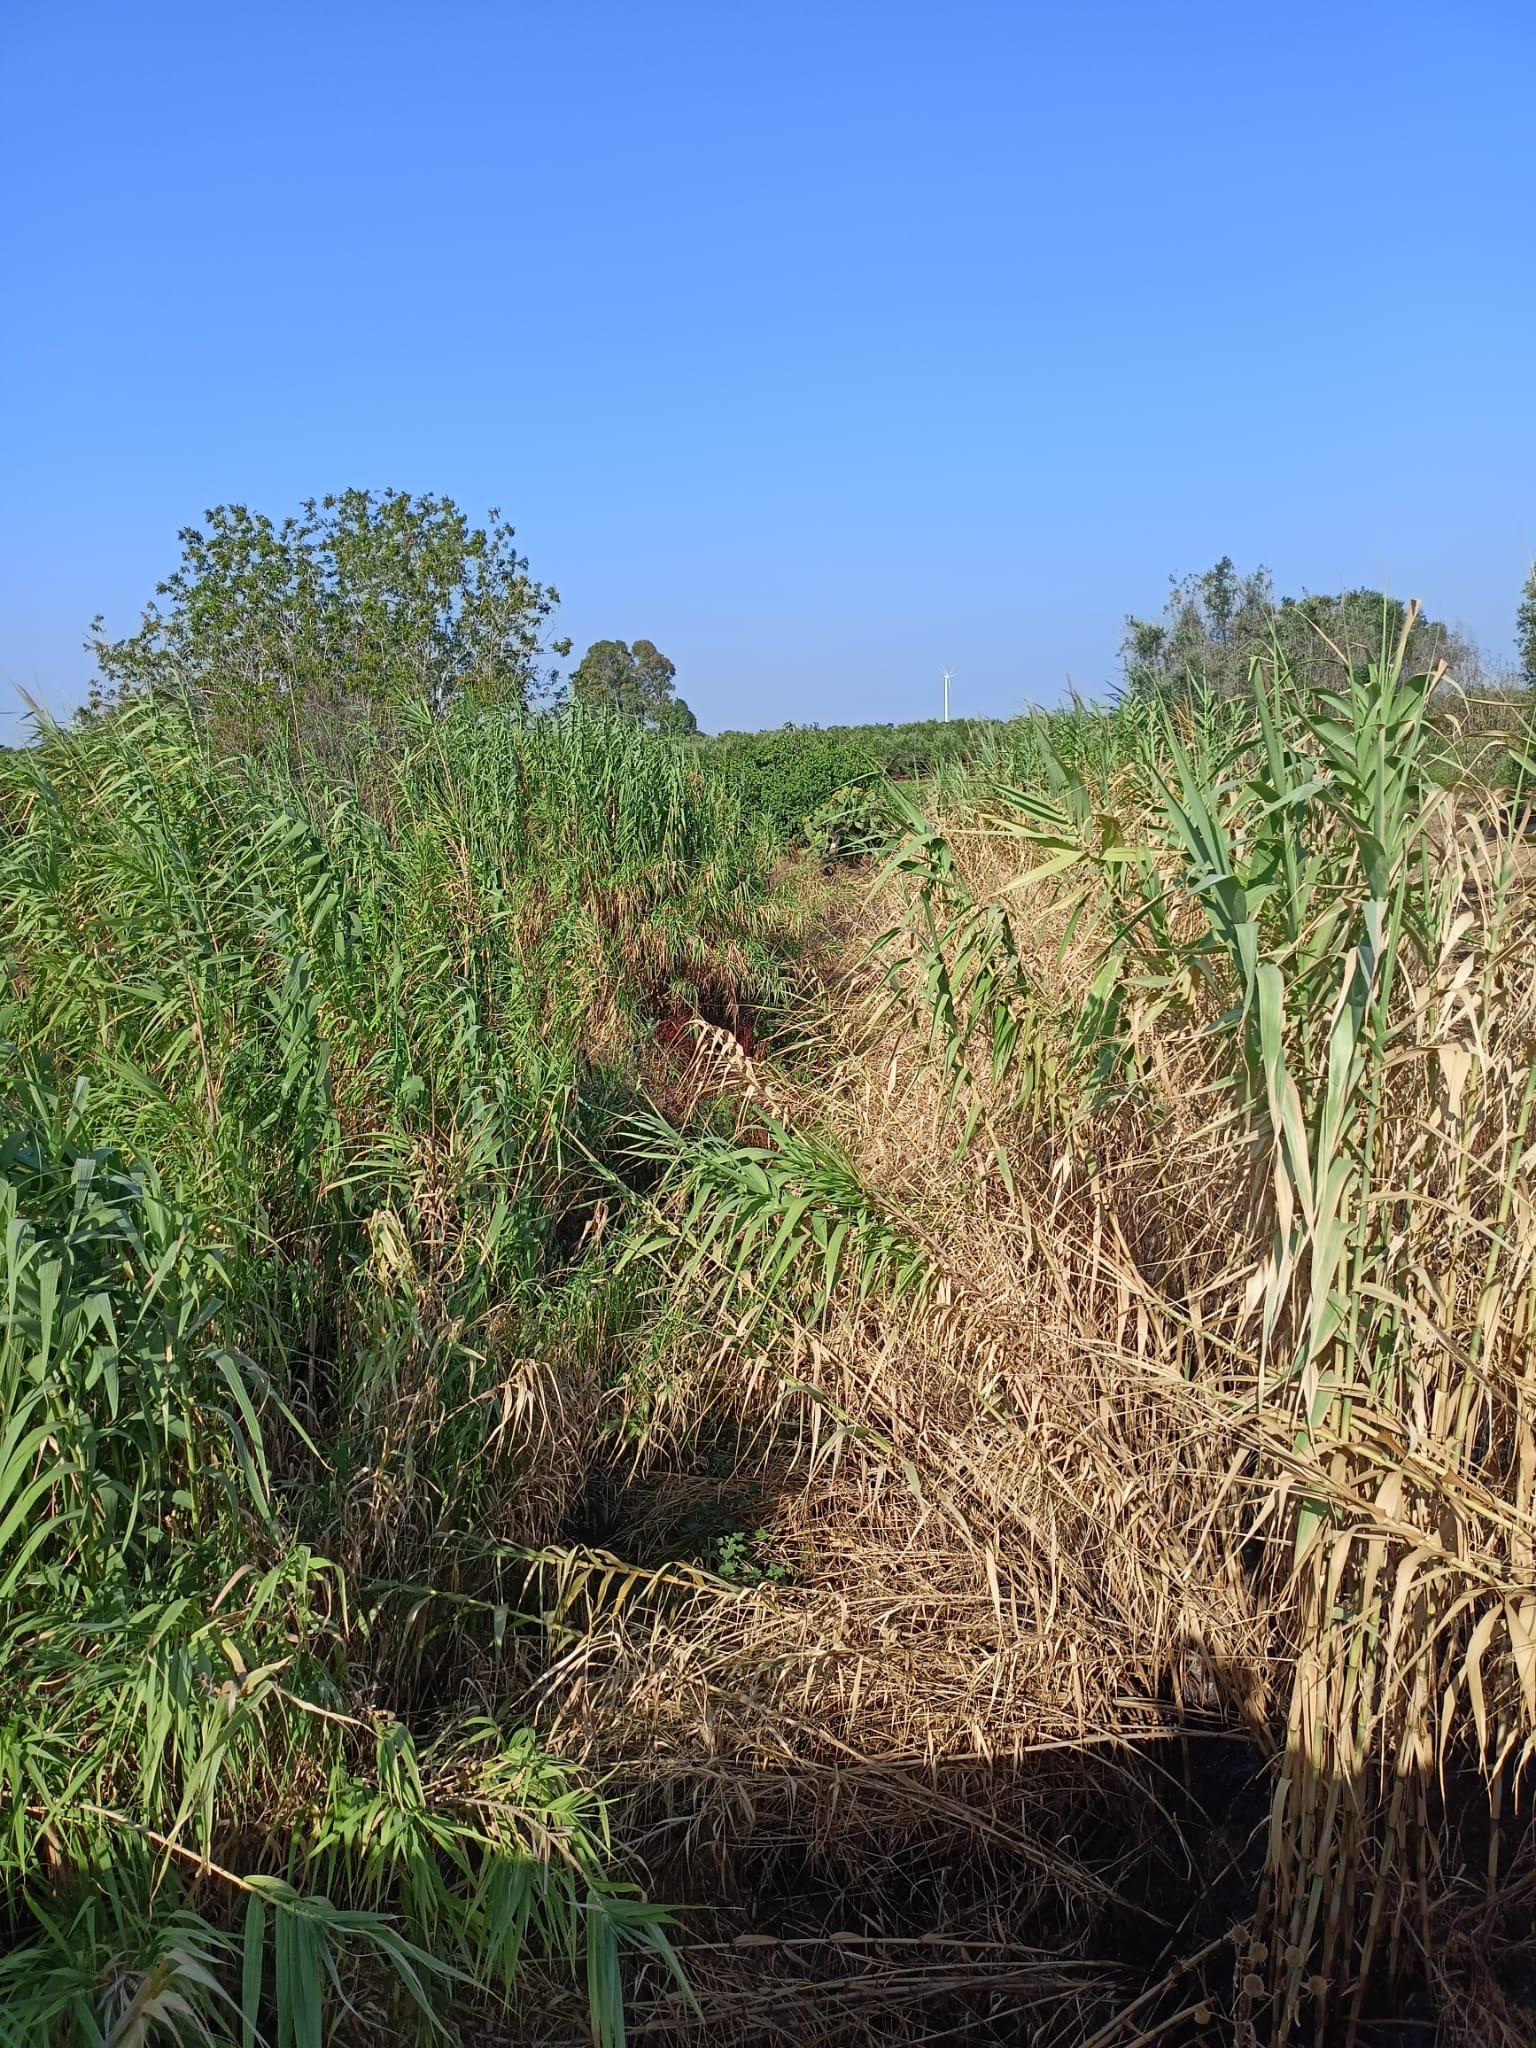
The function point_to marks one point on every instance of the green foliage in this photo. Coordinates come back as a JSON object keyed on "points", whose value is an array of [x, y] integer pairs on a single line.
{"points": [[329, 1202], [738, 1556], [636, 682], [854, 822], [1216, 625], [774, 1228], [1325, 638], [1525, 632], [826, 784], [111, 1351], [1210, 627], [786, 777], [275, 1248], [356, 605]]}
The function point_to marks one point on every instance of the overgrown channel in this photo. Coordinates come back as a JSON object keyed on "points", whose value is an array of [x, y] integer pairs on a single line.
{"points": [[613, 1426]]}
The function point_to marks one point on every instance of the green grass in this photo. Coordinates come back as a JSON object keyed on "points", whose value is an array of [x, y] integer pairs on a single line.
{"points": [[304, 1093]]}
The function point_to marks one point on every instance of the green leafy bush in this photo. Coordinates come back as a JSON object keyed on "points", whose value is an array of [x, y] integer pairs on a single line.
{"points": [[785, 777]]}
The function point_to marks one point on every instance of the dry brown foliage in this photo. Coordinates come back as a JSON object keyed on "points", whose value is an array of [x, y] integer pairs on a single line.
{"points": [[1047, 1645]]}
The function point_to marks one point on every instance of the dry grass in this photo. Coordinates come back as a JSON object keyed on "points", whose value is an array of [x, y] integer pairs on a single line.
{"points": [[1117, 1500], [1013, 1593]]}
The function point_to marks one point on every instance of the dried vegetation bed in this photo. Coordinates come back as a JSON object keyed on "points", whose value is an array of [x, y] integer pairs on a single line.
{"points": [[1113, 1319]]}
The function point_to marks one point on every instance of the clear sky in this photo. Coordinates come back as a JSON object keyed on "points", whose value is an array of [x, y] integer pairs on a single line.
{"points": [[825, 345]]}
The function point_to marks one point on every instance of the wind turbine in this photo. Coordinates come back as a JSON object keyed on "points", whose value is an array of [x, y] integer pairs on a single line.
{"points": [[946, 696]]}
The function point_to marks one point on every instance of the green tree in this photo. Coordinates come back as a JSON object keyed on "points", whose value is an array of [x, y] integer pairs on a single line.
{"points": [[1344, 631], [1214, 625], [605, 677], [638, 682], [1525, 631], [675, 719], [356, 604], [1205, 635]]}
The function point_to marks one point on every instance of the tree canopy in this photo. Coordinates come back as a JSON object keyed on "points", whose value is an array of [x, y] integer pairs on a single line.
{"points": [[1214, 625], [359, 599], [637, 682]]}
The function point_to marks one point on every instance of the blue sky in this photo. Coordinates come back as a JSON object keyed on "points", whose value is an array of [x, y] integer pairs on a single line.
{"points": [[824, 345]]}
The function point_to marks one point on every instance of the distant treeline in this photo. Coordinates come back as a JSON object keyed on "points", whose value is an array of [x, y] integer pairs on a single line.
{"points": [[323, 634], [1202, 647]]}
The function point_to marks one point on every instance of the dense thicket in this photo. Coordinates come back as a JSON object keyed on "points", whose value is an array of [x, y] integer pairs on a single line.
{"points": [[786, 777], [306, 1110], [1125, 1353], [604, 1425], [1214, 625]]}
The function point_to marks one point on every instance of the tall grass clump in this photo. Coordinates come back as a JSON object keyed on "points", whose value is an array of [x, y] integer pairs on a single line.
{"points": [[301, 1361]]}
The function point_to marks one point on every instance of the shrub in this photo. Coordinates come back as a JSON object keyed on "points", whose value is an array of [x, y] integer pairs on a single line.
{"points": [[786, 776]]}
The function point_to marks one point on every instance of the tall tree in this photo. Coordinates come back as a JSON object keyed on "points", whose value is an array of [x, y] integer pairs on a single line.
{"points": [[637, 682], [1204, 636], [359, 600]]}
